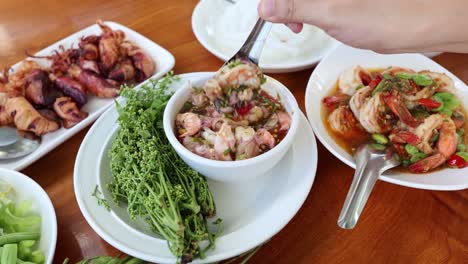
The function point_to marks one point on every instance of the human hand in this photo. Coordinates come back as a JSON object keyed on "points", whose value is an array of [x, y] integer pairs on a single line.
{"points": [[388, 27]]}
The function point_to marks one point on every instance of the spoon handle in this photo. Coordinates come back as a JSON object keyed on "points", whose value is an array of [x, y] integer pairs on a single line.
{"points": [[364, 180], [253, 46]]}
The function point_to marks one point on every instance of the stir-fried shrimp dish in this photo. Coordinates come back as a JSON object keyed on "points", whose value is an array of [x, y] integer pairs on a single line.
{"points": [[231, 117], [416, 115]]}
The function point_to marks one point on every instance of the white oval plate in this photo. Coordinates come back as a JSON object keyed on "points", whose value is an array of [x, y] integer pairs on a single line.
{"points": [[95, 106], [252, 211], [206, 15], [27, 189], [324, 78]]}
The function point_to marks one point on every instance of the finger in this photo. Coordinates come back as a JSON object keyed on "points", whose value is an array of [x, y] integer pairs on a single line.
{"points": [[284, 11], [295, 27]]}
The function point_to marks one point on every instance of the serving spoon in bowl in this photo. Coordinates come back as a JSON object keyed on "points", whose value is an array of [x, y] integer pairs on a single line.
{"points": [[253, 46], [14, 145], [370, 164]]}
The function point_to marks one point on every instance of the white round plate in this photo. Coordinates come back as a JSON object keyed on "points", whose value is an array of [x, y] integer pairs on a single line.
{"points": [[27, 189], [252, 211], [324, 78], [206, 15]]}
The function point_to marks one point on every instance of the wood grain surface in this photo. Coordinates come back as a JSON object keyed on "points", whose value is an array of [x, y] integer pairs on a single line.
{"points": [[399, 224]]}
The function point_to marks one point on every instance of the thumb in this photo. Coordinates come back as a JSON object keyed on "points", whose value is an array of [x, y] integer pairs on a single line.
{"points": [[287, 11]]}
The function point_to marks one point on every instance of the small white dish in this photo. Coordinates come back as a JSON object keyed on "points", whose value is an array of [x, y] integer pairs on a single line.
{"points": [[206, 17], [233, 170], [324, 78], [27, 189], [95, 106], [252, 213]]}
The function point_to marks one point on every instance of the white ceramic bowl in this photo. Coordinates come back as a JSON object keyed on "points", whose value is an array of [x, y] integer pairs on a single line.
{"points": [[324, 78], [233, 170], [27, 189]]}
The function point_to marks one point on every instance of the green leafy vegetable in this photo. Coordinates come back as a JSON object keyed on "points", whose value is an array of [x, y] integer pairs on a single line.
{"points": [[151, 179]]}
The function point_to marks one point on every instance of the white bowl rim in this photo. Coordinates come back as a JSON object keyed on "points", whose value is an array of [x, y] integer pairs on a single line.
{"points": [[49, 208], [295, 119]]}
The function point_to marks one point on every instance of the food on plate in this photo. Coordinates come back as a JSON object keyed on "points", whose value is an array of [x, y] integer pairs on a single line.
{"points": [[19, 229], [108, 259], [39, 99], [417, 115], [231, 117], [150, 178]]}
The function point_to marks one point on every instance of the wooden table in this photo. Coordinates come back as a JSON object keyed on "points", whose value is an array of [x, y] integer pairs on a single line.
{"points": [[399, 224]]}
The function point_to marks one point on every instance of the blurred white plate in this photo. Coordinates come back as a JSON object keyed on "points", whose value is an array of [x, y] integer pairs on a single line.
{"points": [[252, 211], [324, 78], [95, 106], [205, 19], [27, 189]]}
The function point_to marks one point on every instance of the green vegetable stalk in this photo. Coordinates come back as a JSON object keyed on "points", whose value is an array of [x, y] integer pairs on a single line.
{"points": [[152, 180]]}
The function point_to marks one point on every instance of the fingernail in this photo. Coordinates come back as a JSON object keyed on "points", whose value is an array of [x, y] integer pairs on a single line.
{"points": [[267, 8]]}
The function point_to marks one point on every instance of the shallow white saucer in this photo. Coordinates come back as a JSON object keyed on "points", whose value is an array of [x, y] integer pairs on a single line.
{"points": [[252, 211]]}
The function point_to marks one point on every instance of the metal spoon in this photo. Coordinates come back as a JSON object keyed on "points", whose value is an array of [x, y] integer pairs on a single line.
{"points": [[370, 164], [13, 145], [253, 46]]}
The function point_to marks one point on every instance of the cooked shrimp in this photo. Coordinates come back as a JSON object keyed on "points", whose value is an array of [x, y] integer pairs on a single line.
{"points": [[284, 120], [425, 131], [445, 147], [190, 122], [372, 115], [254, 114], [199, 98], [246, 144], [411, 100], [212, 89], [245, 95], [263, 137], [242, 74], [343, 122], [224, 143], [198, 148], [394, 101], [358, 99], [352, 78]]}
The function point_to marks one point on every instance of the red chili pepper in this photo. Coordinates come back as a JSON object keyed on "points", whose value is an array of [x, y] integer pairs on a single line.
{"points": [[429, 103], [365, 78], [376, 81], [457, 161], [244, 110]]}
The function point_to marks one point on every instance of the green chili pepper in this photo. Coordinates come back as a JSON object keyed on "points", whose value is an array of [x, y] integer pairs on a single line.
{"points": [[378, 146], [380, 139], [404, 75], [387, 76], [379, 87], [412, 150], [422, 80]]}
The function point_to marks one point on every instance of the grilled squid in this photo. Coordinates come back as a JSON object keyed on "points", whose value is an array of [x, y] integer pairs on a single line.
{"points": [[26, 118], [39, 90], [71, 87], [89, 47], [109, 44], [142, 61], [5, 118], [68, 111], [124, 71], [95, 84]]}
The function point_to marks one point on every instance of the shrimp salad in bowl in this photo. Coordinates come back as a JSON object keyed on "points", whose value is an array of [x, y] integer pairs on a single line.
{"points": [[230, 117], [416, 115]]}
